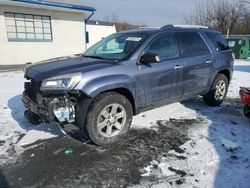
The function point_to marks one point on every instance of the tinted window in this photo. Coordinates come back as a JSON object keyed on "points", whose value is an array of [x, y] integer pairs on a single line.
{"points": [[192, 44], [165, 46], [218, 40]]}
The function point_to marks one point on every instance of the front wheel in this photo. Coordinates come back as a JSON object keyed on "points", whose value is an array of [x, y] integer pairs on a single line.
{"points": [[218, 91], [109, 118]]}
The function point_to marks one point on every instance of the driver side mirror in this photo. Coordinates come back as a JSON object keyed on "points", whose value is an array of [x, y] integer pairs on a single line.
{"points": [[148, 58]]}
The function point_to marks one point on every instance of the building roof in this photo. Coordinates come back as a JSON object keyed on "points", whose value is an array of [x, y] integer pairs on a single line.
{"points": [[98, 22], [63, 5]]}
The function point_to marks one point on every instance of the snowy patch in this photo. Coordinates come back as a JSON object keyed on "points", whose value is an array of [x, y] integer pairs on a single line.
{"points": [[42, 132], [173, 111], [241, 78]]}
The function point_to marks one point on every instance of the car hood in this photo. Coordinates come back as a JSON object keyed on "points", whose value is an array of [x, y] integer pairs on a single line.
{"points": [[65, 65]]}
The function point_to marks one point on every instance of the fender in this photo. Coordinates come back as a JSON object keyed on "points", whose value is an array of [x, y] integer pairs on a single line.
{"points": [[222, 62], [95, 86]]}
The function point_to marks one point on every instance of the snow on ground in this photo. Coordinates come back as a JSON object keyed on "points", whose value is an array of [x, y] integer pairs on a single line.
{"points": [[175, 111], [241, 77], [218, 147], [218, 154]]}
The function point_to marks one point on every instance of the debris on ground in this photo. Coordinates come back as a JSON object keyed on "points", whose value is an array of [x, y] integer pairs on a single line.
{"points": [[69, 151]]}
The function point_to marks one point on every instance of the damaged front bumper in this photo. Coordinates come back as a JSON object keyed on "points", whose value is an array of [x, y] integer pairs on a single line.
{"points": [[51, 107]]}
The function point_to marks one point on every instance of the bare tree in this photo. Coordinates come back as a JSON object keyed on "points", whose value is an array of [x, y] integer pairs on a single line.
{"points": [[222, 15], [121, 25], [111, 18]]}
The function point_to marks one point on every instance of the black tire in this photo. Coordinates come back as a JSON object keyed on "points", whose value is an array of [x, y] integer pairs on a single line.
{"points": [[210, 98], [97, 106], [247, 111]]}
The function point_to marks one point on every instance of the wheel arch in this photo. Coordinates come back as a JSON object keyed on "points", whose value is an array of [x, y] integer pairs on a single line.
{"points": [[83, 107], [125, 92], [225, 72]]}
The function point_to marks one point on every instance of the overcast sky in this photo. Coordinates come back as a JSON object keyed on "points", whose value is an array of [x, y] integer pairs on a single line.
{"points": [[149, 12]]}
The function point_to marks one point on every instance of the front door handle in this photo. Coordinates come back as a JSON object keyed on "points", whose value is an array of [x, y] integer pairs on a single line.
{"points": [[179, 67], [208, 62]]}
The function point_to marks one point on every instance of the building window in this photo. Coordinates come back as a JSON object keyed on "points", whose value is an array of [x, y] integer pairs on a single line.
{"points": [[28, 27]]}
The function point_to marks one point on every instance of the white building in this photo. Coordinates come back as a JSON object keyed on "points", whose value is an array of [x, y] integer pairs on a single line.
{"points": [[34, 30], [97, 30]]}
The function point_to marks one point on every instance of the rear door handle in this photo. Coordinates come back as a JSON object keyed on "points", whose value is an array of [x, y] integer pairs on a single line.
{"points": [[208, 62], [179, 67]]}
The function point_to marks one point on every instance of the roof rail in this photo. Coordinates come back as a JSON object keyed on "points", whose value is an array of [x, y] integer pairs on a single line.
{"points": [[149, 27], [185, 26]]}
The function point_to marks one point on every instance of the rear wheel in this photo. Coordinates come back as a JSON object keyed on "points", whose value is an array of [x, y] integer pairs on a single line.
{"points": [[109, 118], [218, 91]]}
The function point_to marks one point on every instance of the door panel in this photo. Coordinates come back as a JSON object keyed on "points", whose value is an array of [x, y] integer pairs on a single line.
{"points": [[197, 73], [198, 63], [162, 81]]}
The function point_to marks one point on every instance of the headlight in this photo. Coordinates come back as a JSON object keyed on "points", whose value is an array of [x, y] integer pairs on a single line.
{"points": [[63, 82]]}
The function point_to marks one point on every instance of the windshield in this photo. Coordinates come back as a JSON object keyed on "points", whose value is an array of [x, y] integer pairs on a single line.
{"points": [[116, 47]]}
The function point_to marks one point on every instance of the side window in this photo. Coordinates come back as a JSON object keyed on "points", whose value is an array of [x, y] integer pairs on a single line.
{"points": [[218, 41], [165, 46], [192, 44]]}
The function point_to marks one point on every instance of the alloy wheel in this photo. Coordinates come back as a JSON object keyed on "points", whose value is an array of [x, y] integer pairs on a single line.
{"points": [[111, 120], [220, 90]]}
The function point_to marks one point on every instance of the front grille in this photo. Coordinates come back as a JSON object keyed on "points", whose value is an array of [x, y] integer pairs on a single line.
{"points": [[32, 88]]}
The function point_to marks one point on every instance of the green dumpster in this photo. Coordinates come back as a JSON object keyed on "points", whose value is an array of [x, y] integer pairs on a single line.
{"points": [[240, 47]]}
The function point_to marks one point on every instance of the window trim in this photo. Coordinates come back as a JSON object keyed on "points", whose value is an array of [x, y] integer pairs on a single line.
{"points": [[206, 42], [25, 32], [202, 38], [155, 38]]}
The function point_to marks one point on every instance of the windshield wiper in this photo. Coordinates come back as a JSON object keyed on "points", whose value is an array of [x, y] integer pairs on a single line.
{"points": [[92, 56]]}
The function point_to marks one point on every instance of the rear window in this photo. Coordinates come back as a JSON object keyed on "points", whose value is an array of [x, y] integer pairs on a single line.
{"points": [[218, 40], [192, 44]]}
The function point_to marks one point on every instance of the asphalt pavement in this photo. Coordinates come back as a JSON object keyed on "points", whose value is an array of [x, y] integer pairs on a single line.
{"points": [[69, 162]]}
